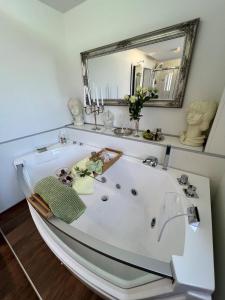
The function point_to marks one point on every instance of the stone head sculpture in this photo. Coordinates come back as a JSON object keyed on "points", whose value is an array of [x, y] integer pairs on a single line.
{"points": [[76, 109], [199, 116]]}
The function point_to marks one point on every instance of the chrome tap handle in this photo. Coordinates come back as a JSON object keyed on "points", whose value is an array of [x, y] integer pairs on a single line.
{"points": [[183, 180], [190, 191]]}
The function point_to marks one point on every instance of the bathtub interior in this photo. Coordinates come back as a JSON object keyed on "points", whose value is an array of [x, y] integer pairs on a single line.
{"points": [[124, 220]]}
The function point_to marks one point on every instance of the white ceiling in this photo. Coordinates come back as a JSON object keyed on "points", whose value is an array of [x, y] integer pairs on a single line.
{"points": [[62, 5], [165, 50]]}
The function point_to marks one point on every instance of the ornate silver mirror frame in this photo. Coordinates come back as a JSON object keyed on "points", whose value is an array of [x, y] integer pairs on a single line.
{"points": [[187, 30]]}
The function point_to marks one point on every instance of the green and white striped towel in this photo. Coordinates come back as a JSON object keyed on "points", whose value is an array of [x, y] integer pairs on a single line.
{"points": [[63, 201]]}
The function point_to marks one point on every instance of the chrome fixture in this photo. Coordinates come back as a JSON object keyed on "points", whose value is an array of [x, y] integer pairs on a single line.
{"points": [[153, 222], [134, 192], [193, 215], [104, 198], [42, 149], [183, 180], [151, 161], [166, 158], [190, 191]]}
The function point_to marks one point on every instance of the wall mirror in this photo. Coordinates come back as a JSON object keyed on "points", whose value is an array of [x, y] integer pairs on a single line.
{"points": [[158, 60]]}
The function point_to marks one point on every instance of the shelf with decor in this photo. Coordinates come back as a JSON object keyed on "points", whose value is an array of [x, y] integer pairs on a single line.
{"points": [[168, 139]]}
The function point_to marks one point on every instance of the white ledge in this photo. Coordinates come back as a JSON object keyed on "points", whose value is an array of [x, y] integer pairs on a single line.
{"points": [[168, 140]]}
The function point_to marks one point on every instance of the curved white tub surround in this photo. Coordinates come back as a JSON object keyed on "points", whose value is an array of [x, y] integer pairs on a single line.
{"points": [[123, 222]]}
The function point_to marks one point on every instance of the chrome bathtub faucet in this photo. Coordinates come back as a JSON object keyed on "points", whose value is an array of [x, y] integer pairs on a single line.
{"points": [[151, 161]]}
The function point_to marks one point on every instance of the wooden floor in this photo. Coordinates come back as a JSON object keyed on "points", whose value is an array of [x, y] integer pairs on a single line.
{"points": [[51, 279], [12, 279]]}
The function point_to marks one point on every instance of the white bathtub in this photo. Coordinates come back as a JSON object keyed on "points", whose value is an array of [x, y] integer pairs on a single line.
{"points": [[112, 246]]}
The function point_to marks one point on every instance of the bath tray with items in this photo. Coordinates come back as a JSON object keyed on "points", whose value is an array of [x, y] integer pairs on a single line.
{"points": [[107, 156]]}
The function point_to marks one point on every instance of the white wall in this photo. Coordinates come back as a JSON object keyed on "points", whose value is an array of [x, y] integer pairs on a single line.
{"points": [[33, 85], [99, 22], [218, 209]]}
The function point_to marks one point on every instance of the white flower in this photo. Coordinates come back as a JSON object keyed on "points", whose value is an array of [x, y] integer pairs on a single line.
{"points": [[126, 97], [132, 99], [138, 89]]}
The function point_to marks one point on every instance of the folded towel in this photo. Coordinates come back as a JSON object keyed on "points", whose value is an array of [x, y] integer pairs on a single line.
{"points": [[62, 200], [82, 185]]}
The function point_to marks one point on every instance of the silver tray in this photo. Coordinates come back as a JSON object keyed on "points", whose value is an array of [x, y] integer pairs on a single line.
{"points": [[123, 131]]}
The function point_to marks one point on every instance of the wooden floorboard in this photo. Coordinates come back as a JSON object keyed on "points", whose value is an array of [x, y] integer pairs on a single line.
{"points": [[49, 276], [13, 283]]}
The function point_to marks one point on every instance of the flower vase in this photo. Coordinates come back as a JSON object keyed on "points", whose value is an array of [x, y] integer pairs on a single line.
{"points": [[136, 128]]}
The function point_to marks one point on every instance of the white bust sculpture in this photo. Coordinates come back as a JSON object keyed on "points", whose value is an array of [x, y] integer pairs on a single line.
{"points": [[199, 115], [76, 109]]}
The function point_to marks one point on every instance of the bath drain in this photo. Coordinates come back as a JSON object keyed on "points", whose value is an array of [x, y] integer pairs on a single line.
{"points": [[103, 179], [153, 222], [104, 198], [118, 186], [134, 192]]}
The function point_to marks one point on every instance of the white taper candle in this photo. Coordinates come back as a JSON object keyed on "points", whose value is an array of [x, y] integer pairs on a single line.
{"points": [[93, 93], [89, 97], [85, 104]]}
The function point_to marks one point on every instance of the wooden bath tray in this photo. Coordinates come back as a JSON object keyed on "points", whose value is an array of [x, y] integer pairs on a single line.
{"points": [[40, 205], [109, 163]]}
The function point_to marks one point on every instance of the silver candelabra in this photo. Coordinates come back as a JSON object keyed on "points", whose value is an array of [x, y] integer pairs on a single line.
{"points": [[95, 109]]}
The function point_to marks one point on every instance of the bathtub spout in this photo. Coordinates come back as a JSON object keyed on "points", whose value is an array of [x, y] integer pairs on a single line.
{"points": [[151, 161]]}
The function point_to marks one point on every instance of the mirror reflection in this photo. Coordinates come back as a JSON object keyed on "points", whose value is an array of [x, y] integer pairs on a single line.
{"points": [[154, 66]]}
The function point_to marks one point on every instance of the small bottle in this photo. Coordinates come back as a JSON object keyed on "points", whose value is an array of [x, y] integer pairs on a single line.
{"points": [[62, 137], [158, 134]]}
